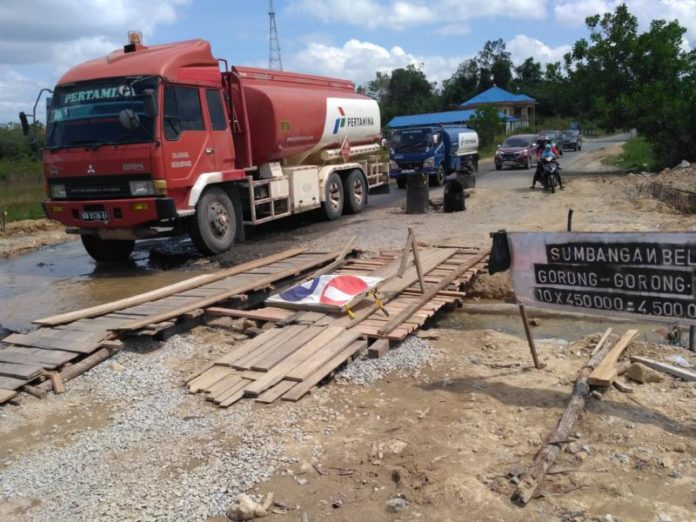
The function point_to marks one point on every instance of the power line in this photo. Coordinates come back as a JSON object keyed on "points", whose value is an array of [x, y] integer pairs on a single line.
{"points": [[274, 59]]}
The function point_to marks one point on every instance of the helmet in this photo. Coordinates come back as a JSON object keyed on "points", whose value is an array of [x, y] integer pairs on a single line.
{"points": [[547, 146]]}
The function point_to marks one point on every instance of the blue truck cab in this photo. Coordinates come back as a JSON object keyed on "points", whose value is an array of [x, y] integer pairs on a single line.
{"points": [[434, 150]]}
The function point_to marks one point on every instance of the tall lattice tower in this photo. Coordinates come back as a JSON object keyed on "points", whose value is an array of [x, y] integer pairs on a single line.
{"points": [[274, 59]]}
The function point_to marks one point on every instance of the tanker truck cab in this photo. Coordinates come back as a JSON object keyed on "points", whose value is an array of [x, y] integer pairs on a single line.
{"points": [[434, 150], [157, 141]]}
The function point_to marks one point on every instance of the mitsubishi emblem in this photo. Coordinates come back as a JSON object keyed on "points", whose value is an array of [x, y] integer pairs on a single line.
{"points": [[90, 169]]}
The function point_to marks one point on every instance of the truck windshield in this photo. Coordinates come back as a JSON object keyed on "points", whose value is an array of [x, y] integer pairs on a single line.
{"points": [[85, 114], [412, 140]]}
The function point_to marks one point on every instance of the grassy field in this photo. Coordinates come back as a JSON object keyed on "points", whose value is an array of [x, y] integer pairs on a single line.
{"points": [[637, 156], [21, 189]]}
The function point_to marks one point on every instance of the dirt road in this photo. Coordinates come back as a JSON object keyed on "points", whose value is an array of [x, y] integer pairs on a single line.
{"points": [[440, 431]]}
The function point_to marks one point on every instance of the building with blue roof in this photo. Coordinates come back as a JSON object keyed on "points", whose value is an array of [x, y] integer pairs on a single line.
{"points": [[520, 107]]}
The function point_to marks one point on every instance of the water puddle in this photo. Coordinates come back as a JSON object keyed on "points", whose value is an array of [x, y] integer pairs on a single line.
{"points": [[566, 328], [62, 278]]}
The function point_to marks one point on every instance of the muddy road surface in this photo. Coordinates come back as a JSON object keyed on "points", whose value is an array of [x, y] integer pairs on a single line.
{"points": [[438, 429], [62, 277]]}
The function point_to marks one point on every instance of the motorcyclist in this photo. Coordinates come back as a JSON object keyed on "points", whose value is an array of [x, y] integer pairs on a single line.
{"points": [[545, 150]]}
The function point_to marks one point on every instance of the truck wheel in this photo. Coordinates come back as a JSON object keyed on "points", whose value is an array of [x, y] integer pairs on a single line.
{"points": [[214, 226], [401, 182], [333, 197], [439, 178], [355, 192], [498, 166], [107, 250]]}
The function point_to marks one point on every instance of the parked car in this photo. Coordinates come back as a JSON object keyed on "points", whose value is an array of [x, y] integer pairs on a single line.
{"points": [[572, 139], [517, 151], [555, 137]]}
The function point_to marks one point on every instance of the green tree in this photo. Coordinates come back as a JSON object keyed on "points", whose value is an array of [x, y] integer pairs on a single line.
{"points": [[643, 80], [461, 86], [495, 65], [487, 123]]}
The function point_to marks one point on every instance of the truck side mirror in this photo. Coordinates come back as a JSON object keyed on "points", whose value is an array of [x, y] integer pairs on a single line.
{"points": [[384, 143], [149, 103], [436, 139], [498, 145], [128, 119], [24, 122]]}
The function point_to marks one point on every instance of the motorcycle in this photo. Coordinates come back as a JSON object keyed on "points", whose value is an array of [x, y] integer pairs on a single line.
{"points": [[550, 176]]}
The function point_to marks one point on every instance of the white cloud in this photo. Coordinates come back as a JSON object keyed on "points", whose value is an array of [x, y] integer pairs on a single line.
{"points": [[51, 36], [522, 47], [358, 61], [397, 15]]}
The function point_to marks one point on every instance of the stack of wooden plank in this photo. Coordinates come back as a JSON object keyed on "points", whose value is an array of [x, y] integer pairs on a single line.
{"points": [[69, 338], [287, 361]]}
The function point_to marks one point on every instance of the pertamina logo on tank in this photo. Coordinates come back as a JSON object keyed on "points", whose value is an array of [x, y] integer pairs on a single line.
{"points": [[344, 121]]}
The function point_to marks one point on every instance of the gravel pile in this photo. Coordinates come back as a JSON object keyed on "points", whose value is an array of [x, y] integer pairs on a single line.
{"points": [[165, 454], [409, 355]]}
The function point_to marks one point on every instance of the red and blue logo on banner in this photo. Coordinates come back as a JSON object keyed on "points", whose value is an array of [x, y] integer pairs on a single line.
{"points": [[332, 290]]}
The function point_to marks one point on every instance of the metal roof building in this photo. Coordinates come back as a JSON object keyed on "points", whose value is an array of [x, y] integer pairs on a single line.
{"points": [[437, 118], [519, 106]]}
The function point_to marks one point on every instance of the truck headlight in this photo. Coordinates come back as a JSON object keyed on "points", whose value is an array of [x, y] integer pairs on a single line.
{"points": [[429, 163], [58, 191], [142, 188]]}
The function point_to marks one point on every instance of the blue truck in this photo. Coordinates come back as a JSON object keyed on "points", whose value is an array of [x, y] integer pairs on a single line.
{"points": [[436, 150]]}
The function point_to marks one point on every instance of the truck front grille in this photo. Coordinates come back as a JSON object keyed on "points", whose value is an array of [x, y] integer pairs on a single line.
{"points": [[98, 187], [410, 164]]}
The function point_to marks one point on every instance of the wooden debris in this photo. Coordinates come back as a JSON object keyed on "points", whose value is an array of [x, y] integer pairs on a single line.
{"points": [[683, 374], [377, 349], [56, 382], [605, 373], [601, 341], [546, 456]]}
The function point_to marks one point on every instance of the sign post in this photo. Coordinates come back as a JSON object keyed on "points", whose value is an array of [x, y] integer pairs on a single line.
{"points": [[634, 275]]}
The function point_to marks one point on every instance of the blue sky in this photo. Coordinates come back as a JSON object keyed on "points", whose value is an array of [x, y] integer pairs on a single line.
{"points": [[41, 39]]}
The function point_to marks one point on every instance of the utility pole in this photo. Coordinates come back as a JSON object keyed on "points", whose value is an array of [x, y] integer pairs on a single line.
{"points": [[274, 60]]}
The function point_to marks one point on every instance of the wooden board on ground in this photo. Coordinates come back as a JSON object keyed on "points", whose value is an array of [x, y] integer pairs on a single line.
{"points": [[298, 391], [20, 371], [262, 314], [605, 372], [6, 395]]}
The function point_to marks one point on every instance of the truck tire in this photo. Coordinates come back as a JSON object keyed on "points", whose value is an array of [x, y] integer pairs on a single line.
{"points": [[439, 178], [334, 197], [401, 182], [214, 226], [107, 250], [355, 188]]}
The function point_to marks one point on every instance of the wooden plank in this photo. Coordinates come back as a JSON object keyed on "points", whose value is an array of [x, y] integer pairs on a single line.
{"points": [[666, 368], [248, 346], [88, 345], [286, 335], [208, 378], [277, 373], [206, 302], [605, 372], [271, 394], [36, 355], [270, 313], [272, 357], [20, 371], [378, 349], [73, 370], [56, 382], [11, 383], [222, 387], [6, 395], [427, 296], [327, 352], [296, 393], [167, 290], [231, 390], [233, 396], [16, 356]]}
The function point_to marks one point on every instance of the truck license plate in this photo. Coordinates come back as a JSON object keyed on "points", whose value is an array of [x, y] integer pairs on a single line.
{"points": [[95, 215]]}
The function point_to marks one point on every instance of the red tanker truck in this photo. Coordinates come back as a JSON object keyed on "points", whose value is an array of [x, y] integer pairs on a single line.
{"points": [[165, 139]]}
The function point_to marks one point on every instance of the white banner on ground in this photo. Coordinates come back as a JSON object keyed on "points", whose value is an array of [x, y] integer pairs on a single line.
{"points": [[641, 275]]}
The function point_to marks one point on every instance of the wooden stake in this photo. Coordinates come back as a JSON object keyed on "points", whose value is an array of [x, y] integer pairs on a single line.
{"points": [[57, 382], [416, 258], [404, 254], [601, 341], [546, 456], [530, 339]]}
